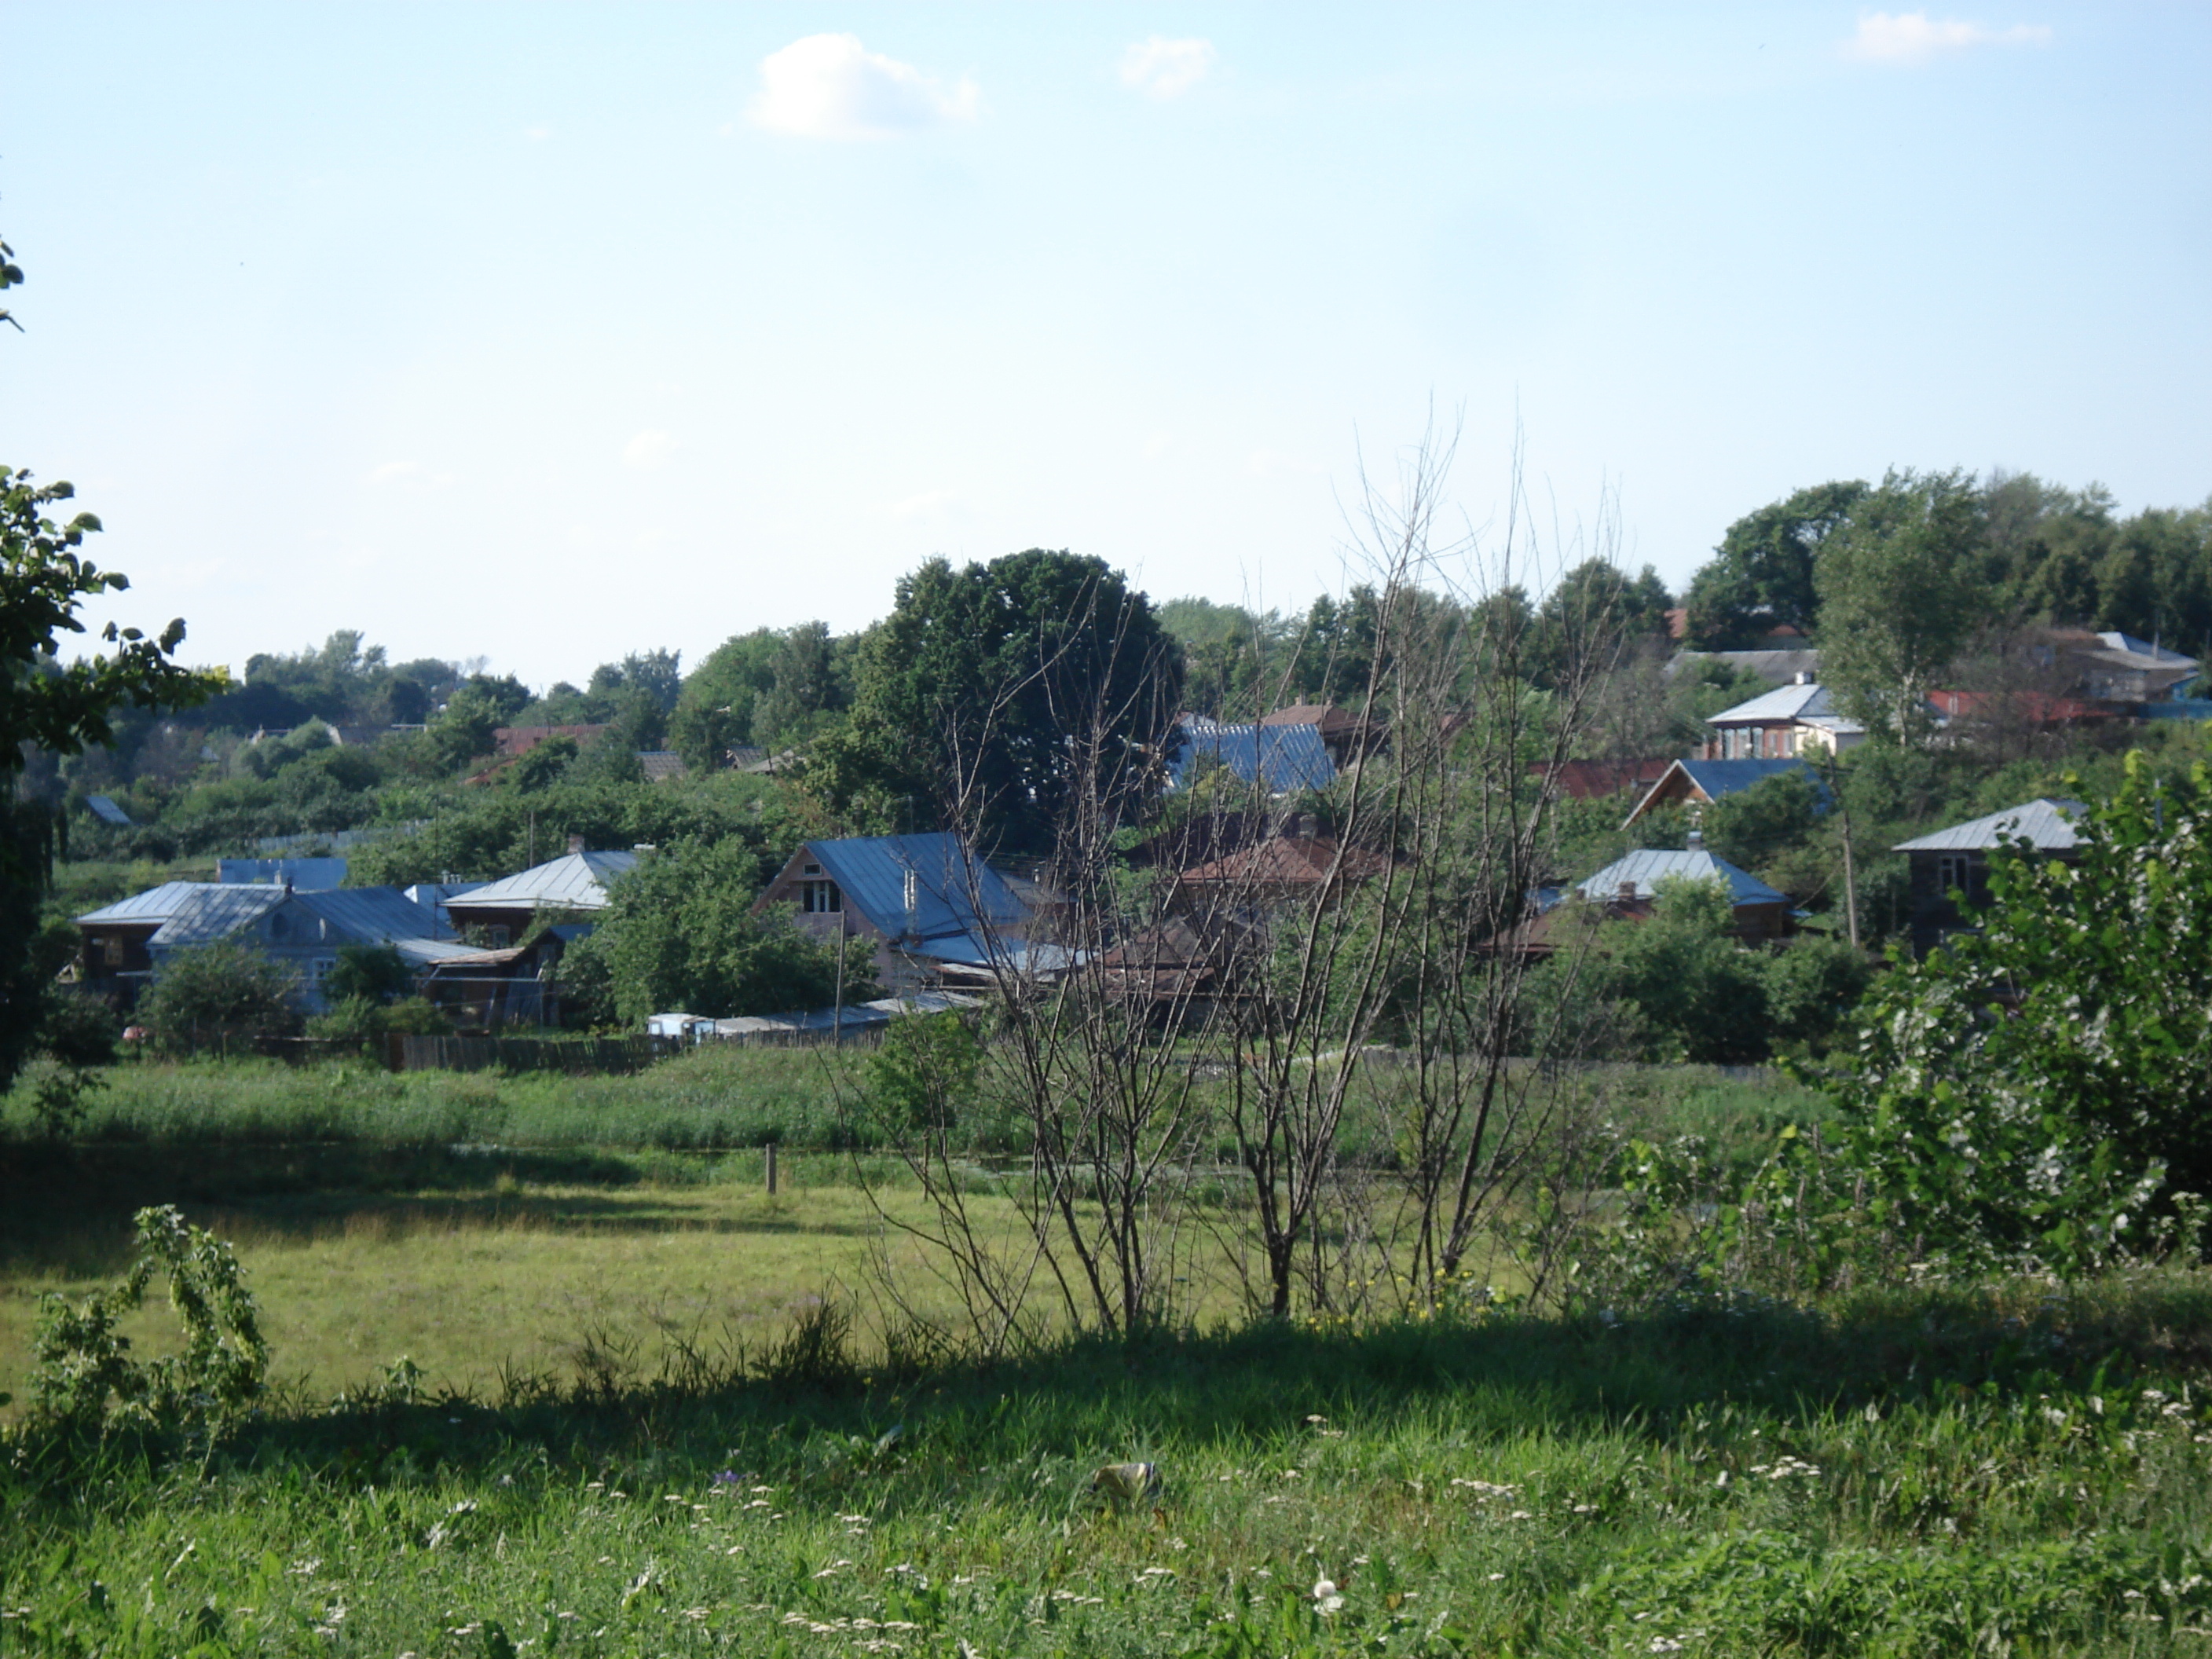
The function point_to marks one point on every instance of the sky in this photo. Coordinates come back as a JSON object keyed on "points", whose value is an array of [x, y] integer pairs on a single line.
{"points": [[543, 333]]}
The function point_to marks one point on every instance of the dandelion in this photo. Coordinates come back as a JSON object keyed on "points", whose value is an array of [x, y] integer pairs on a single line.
{"points": [[1326, 1599]]}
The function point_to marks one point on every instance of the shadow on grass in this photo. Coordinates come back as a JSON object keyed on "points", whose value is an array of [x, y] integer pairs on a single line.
{"points": [[806, 1414], [69, 1208]]}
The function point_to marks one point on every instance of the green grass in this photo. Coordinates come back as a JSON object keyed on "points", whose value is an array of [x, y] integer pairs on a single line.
{"points": [[709, 1099], [1928, 1474]]}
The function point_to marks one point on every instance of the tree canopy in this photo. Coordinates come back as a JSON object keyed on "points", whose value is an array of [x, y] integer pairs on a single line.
{"points": [[1762, 575], [998, 696]]}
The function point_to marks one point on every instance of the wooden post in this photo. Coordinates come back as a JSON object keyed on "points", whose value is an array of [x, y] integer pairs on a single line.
{"points": [[771, 1169]]}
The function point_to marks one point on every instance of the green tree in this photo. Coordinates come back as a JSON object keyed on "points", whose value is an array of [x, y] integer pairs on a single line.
{"points": [[1898, 596], [680, 932], [375, 973], [1702, 994], [60, 708], [715, 710], [1590, 615], [226, 991], [1002, 696], [2035, 1088], [1762, 575], [807, 683]]}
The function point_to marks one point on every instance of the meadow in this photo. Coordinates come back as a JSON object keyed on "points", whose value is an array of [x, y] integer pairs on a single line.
{"points": [[654, 1413]]}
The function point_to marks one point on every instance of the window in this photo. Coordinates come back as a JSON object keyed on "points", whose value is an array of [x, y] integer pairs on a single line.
{"points": [[1958, 870], [111, 949], [820, 898], [319, 969], [813, 869]]}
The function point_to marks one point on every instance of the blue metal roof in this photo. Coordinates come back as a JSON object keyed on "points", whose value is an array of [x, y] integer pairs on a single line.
{"points": [[1718, 778], [1646, 870], [1278, 758], [955, 893], [156, 905], [370, 915], [107, 811], [216, 913]]}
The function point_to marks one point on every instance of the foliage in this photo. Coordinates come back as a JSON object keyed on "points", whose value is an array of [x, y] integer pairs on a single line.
{"points": [[1591, 613], [681, 931], [86, 1379], [224, 990], [1692, 991], [364, 1022], [1897, 596], [1752, 827], [923, 1075], [999, 695], [2028, 1089], [61, 709], [1762, 576], [76, 1028], [374, 973]]}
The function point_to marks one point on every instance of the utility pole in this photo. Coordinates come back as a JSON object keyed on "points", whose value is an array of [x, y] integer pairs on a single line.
{"points": [[1850, 868]]}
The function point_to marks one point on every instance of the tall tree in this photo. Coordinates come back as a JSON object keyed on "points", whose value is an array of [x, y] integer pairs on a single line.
{"points": [[60, 707], [1898, 595], [1593, 613], [992, 692], [1762, 574]]}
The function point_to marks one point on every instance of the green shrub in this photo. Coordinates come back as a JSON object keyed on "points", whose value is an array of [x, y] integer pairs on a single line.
{"points": [[223, 990]]}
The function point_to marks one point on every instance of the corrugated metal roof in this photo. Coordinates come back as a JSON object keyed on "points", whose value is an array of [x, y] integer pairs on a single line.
{"points": [[216, 913], [1648, 869], [156, 904], [1784, 703], [107, 811], [371, 915], [2047, 823], [1278, 758], [955, 893], [576, 881], [2116, 640], [1721, 778]]}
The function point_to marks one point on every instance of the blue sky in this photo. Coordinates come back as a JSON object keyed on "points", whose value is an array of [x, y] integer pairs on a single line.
{"points": [[543, 333]]}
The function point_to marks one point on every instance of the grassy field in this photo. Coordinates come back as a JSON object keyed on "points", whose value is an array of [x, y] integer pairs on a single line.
{"points": [[516, 1278], [617, 1449], [2016, 1473]]}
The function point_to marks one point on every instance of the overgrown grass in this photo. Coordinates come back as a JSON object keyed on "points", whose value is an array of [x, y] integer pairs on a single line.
{"points": [[709, 1099], [714, 1098], [2015, 1472]]}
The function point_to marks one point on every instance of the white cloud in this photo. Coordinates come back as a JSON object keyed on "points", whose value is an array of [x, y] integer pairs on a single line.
{"points": [[1161, 68], [828, 86], [1912, 37], [393, 472], [539, 134], [649, 449]]}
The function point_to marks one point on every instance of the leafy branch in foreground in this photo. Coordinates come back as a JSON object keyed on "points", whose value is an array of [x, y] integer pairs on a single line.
{"points": [[86, 1378], [2031, 1089]]}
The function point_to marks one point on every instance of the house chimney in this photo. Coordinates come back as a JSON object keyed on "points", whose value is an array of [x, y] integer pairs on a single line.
{"points": [[1804, 677], [1627, 893], [575, 844], [1694, 841], [1309, 826]]}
